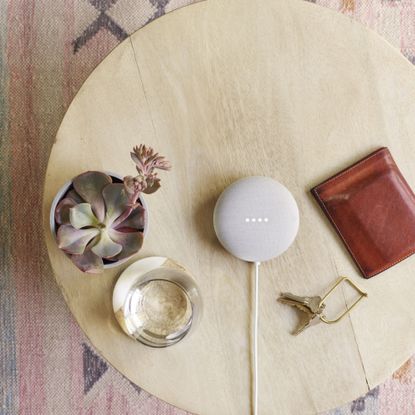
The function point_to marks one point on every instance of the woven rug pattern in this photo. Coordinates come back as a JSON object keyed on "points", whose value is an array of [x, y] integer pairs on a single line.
{"points": [[48, 48]]}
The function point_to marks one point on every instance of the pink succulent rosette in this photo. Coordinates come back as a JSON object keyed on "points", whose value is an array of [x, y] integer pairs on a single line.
{"points": [[99, 221]]}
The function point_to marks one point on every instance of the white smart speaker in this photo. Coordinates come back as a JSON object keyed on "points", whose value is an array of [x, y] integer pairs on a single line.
{"points": [[256, 219]]}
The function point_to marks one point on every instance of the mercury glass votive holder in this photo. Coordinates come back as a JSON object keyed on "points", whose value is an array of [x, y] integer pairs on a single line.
{"points": [[157, 302]]}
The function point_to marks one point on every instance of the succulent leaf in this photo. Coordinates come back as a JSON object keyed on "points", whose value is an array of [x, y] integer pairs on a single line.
{"points": [[116, 201], [131, 242], [82, 216], [134, 221], [106, 248], [74, 196], [74, 241], [153, 187], [62, 211], [88, 262], [89, 186]]}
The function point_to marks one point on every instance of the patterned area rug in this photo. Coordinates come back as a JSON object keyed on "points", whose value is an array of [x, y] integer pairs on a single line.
{"points": [[48, 48]]}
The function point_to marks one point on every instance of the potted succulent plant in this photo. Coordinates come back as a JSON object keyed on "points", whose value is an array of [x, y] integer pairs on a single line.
{"points": [[99, 219]]}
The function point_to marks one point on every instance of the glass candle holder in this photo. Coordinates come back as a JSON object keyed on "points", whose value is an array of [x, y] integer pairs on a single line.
{"points": [[156, 302]]}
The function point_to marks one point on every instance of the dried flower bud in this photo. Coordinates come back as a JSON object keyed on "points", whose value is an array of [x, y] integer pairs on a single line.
{"points": [[147, 160], [134, 185]]}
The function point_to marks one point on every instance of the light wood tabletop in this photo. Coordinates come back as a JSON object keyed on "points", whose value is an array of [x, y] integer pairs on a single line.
{"points": [[226, 89]]}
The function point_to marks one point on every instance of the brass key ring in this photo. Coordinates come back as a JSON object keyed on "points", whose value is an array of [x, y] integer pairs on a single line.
{"points": [[348, 309], [312, 307]]}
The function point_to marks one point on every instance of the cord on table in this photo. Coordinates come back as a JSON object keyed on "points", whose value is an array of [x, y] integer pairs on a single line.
{"points": [[255, 351]]}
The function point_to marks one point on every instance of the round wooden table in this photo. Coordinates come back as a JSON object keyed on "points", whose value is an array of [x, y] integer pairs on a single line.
{"points": [[226, 89]]}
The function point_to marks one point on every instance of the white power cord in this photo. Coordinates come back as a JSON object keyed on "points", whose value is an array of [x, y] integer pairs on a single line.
{"points": [[255, 351]]}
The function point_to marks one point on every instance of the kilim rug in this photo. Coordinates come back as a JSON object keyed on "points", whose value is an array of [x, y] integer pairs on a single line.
{"points": [[48, 48]]}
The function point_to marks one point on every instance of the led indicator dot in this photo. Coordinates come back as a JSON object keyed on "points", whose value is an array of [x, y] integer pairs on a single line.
{"points": [[266, 220], [253, 220], [259, 219], [247, 219]]}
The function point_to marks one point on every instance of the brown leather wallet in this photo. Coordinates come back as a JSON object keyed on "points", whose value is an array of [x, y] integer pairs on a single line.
{"points": [[372, 208]]}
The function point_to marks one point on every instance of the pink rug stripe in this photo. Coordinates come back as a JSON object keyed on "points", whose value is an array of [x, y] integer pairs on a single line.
{"points": [[26, 183]]}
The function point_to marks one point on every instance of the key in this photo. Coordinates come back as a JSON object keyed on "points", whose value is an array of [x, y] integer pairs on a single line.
{"points": [[312, 307], [308, 320], [306, 304]]}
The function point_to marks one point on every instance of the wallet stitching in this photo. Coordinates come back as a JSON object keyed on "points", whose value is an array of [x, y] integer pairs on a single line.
{"points": [[391, 264], [348, 171], [323, 205]]}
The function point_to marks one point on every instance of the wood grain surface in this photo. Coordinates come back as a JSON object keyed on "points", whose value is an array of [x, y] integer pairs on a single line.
{"points": [[227, 89]]}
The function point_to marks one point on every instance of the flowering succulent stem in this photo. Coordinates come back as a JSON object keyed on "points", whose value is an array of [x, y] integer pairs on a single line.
{"points": [[124, 215]]}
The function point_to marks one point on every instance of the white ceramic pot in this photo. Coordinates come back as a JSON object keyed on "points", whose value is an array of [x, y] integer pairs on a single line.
{"points": [[62, 192]]}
